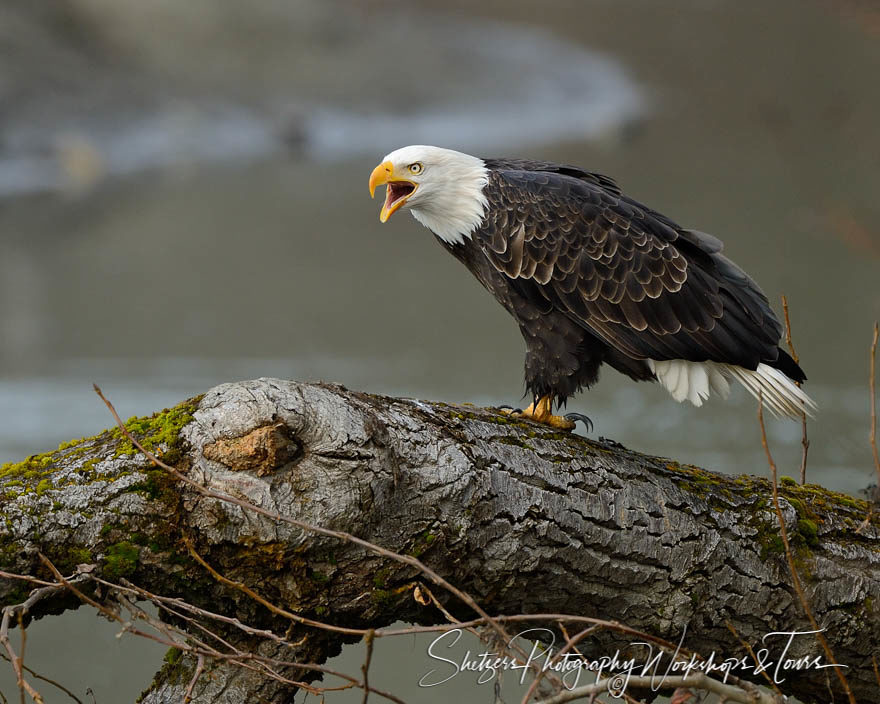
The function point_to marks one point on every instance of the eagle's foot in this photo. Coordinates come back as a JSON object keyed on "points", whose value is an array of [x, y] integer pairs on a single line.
{"points": [[575, 417], [540, 412]]}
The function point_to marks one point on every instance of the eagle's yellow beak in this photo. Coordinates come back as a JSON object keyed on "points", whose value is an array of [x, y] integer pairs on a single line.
{"points": [[397, 192]]}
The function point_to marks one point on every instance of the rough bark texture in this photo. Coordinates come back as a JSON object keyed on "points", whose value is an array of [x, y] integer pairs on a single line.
{"points": [[525, 519]]}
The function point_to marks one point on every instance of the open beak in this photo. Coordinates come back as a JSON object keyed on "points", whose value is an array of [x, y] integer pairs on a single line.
{"points": [[397, 192]]}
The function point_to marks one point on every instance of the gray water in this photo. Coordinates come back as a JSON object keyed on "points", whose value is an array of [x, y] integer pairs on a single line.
{"points": [[202, 216]]}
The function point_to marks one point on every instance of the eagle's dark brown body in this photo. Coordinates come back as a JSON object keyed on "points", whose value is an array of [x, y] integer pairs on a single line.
{"points": [[561, 356], [592, 276]]}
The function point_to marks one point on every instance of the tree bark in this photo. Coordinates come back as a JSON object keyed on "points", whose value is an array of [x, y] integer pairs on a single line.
{"points": [[525, 519]]}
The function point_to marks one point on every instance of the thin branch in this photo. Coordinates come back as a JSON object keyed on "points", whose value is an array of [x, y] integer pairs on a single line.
{"points": [[23, 647], [453, 622], [745, 644], [570, 644], [23, 631], [238, 658], [19, 611], [872, 383], [795, 578], [365, 668], [27, 578], [200, 665], [382, 632], [515, 652], [805, 441], [278, 611], [109, 613], [615, 686], [872, 435], [48, 680]]}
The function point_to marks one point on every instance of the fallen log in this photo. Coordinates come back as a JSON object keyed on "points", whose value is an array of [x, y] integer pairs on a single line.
{"points": [[523, 519]]}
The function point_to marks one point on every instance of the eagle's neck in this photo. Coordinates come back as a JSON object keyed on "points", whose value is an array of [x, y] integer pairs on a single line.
{"points": [[456, 207]]}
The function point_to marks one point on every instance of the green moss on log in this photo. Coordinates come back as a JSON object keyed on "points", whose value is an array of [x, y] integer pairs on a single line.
{"points": [[121, 560], [160, 431]]}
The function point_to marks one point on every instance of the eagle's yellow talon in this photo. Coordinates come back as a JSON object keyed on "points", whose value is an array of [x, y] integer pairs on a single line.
{"points": [[542, 414]]}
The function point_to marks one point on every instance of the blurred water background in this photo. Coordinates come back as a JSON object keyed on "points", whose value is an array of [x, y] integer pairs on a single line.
{"points": [[183, 202]]}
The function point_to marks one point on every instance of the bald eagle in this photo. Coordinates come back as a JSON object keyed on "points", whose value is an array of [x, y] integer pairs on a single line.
{"points": [[592, 276]]}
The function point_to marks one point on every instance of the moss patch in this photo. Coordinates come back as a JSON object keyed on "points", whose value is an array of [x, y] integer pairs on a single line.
{"points": [[422, 543], [158, 431], [33, 467], [173, 672], [813, 501], [43, 486], [809, 531], [121, 560], [158, 485]]}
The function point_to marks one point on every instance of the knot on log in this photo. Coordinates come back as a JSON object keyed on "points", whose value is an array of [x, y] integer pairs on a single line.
{"points": [[262, 450]]}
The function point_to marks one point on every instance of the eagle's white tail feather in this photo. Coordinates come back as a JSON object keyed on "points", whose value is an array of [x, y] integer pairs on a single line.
{"points": [[718, 381], [778, 393], [695, 381]]}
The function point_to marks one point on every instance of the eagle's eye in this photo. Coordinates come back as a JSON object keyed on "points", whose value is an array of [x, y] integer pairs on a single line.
{"points": [[416, 168]]}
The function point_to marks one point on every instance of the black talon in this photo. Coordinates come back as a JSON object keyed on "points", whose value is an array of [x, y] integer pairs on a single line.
{"points": [[575, 417], [510, 408]]}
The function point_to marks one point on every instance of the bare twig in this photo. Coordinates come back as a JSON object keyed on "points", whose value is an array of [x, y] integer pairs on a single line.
{"points": [[22, 647], [161, 601], [795, 578], [48, 680], [27, 578], [381, 632], [265, 602], [365, 668], [18, 611], [872, 383], [237, 658], [109, 613], [695, 681], [200, 665], [454, 622], [805, 441], [570, 643], [745, 644], [513, 650], [872, 435]]}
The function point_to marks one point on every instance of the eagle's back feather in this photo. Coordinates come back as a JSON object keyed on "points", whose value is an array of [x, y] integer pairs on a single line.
{"points": [[570, 241]]}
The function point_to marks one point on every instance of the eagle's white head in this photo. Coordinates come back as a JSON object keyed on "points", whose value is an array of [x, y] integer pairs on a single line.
{"points": [[442, 187]]}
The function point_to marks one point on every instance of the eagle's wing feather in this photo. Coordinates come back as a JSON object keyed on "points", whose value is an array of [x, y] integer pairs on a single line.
{"points": [[647, 287]]}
